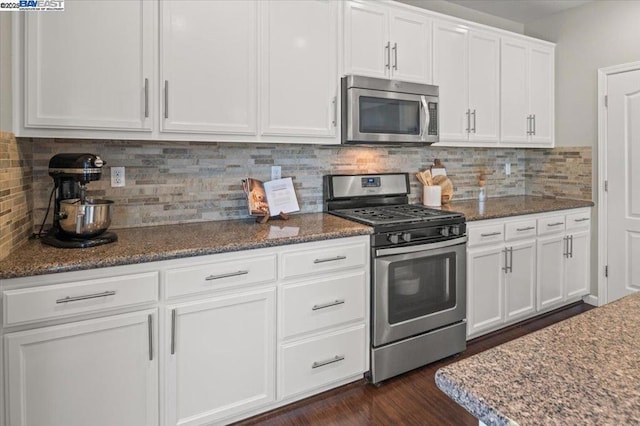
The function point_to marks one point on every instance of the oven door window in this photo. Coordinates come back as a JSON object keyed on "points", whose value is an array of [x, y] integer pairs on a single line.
{"points": [[421, 286], [389, 116]]}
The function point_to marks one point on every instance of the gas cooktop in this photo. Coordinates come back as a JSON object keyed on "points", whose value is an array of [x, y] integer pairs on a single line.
{"points": [[395, 214]]}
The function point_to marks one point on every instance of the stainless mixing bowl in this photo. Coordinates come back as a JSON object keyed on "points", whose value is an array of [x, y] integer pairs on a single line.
{"points": [[86, 220]]}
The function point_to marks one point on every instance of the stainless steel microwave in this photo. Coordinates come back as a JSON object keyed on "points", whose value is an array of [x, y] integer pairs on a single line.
{"points": [[380, 111]]}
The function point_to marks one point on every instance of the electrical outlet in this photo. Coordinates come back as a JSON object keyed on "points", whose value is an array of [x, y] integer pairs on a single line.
{"points": [[507, 169], [276, 172], [117, 177]]}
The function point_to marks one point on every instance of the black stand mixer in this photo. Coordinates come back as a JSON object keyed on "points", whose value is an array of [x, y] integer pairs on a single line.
{"points": [[78, 221]]}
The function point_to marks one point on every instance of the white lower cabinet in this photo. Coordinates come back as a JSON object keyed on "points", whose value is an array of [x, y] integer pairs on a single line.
{"points": [[96, 372], [240, 333], [220, 356], [518, 267]]}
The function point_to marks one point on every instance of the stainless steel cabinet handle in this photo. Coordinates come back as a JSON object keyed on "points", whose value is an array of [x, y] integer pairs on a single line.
{"points": [[388, 50], [395, 56], [528, 228], [473, 129], [528, 124], [166, 99], [146, 98], [173, 332], [335, 111], [330, 259], [533, 120], [336, 358], [490, 234], [85, 297], [582, 219], [230, 274], [571, 246], [468, 114], [505, 268], [555, 224], [565, 250], [327, 305], [150, 329]]}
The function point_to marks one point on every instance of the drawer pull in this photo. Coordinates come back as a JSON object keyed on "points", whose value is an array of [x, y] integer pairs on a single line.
{"points": [[528, 228], [327, 305], [491, 234], [336, 358], [85, 297], [330, 259], [555, 224], [230, 274], [582, 219]]}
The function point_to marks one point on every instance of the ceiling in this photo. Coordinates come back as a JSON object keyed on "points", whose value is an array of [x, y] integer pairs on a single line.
{"points": [[522, 11]]}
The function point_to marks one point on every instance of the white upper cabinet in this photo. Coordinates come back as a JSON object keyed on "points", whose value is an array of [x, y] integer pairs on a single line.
{"points": [[90, 67], [385, 42], [299, 68], [466, 68], [208, 72], [527, 96]]}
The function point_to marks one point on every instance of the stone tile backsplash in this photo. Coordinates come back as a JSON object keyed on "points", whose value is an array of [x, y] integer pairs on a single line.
{"points": [[177, 182], [16, 196]]}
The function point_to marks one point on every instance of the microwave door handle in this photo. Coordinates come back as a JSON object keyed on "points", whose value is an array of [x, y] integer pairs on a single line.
{"points": [[426, 119]]}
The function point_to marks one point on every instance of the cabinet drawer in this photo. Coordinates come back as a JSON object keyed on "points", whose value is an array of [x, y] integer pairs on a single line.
{"points": [[316, 362], [62, 300], [486, 234], [314, 261], [580, 220], [220, 275], [551, 224], [522, 229], [321, 304]]}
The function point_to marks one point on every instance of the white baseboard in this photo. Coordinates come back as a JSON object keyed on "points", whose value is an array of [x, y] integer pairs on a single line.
{"points": [[591, 300]]}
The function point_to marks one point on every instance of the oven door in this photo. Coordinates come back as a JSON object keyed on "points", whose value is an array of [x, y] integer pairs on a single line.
{"points": [[417, 289], [386, 116]]}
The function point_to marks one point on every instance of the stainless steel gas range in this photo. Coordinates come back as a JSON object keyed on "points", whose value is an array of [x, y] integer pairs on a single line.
{"points": [[418, 275]]}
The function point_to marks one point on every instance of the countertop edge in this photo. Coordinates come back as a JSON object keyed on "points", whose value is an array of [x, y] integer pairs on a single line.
{"points": [[470, 402]]}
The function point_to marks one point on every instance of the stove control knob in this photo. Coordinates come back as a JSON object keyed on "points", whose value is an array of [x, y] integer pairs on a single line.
{"points": [[406, 237], [394, 238], [444, 231], [455, 230]]}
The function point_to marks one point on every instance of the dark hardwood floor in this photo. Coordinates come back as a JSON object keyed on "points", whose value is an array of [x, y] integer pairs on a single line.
{"points": [[410, 399]]}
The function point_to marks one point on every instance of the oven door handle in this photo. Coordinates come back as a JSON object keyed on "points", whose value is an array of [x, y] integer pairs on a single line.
{"points": [[420, 247]]}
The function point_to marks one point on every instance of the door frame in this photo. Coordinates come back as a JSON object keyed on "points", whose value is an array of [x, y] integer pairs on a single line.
{"points": [[603, 74]]}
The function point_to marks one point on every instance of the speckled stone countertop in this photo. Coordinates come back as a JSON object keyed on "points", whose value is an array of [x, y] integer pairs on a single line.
{"points": [[497, 207], [584, 370], [137, 245]]}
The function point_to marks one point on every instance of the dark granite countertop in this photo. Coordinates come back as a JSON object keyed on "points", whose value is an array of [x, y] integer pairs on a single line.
{"points": [[497, 207], [584, 370], [148, 244]]}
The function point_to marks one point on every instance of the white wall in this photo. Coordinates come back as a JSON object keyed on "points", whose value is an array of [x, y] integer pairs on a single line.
{"points": [[452, 9], [592, 36]]}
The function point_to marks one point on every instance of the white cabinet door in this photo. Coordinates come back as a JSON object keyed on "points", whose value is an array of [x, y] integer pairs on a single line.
{"points": [[367, 45], [484, 86], [578, 264], [485, 288], [514, 95], [410, 38], [220, 357], [91, 66], [551, 271], [450, 64], [541, 93], [520, 280], [97, 372], [208, 56], [299, 68]]}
